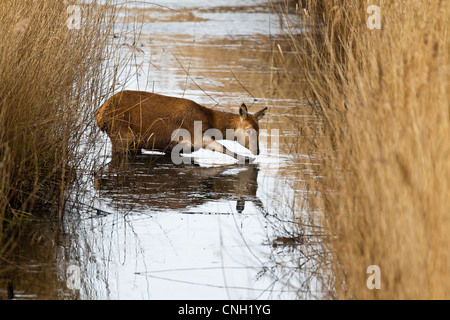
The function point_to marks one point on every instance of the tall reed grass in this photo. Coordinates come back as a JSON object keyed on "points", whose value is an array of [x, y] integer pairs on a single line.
{"points": [[382, 149], [52, 76]]}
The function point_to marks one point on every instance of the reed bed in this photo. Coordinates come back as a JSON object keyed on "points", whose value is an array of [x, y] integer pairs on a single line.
{"points": [[381, 151], [54, 71]]}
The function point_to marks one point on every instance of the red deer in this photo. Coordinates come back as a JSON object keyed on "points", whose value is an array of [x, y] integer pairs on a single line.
{"points": [[136, 120]]}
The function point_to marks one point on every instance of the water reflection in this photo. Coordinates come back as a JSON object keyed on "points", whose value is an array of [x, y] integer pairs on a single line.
{"points": [[36, 270], [195, 232], [170, 231], [155, 183]]}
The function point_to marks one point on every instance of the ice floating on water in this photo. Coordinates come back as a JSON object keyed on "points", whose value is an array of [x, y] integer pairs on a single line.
{"points": [[205, 157], [156, 153]]}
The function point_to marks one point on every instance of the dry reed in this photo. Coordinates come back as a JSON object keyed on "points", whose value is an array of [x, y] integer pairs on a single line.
{"points": [[383, 173], [52, 76]]}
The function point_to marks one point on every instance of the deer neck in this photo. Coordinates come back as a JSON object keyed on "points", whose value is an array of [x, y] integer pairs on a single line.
{"points": [[225, 120]]}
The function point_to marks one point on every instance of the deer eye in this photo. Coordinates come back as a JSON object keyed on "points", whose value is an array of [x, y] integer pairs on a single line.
{"points": [[249, 131]]}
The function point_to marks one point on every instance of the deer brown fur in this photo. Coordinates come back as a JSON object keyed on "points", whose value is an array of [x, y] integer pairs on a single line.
{"points": [[136, 120]]}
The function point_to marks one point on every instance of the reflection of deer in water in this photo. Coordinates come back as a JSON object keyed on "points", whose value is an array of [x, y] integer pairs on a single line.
{"points": [[155, 183]]}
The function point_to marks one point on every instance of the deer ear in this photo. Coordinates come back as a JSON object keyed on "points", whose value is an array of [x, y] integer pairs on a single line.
{"points": [[243, 112], [260, 114]]}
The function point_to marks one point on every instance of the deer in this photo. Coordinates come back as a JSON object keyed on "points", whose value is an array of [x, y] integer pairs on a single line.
{"points": [[136, 120]]}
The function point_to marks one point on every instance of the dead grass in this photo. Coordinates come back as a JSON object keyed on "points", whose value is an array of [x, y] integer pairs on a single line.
{"points": [[52, 77], [382, 96]]}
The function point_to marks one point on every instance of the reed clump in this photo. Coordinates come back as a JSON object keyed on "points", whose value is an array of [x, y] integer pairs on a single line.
{"points": [[382, 148], [53, 73]]}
